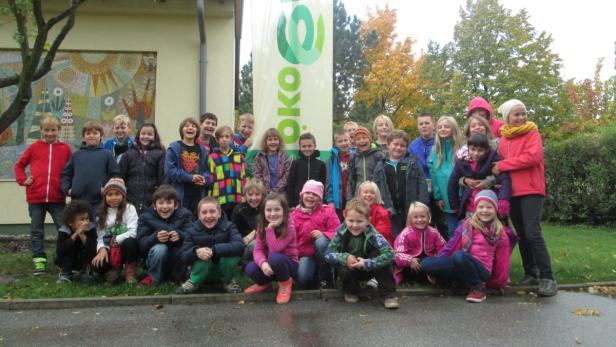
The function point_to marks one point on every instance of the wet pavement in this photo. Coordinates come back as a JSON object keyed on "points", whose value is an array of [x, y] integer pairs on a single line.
{"points": [[420, 321]]}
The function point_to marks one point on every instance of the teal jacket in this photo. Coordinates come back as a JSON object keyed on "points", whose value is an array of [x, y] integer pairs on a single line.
{"points": [[440, 173], [380, 253]]}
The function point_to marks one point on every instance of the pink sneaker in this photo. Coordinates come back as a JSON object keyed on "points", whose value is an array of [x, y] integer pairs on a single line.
{"points": [[258, 288]]}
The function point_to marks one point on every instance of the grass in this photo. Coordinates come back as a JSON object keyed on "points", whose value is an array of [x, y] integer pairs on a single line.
{"points": [[579, 254]]}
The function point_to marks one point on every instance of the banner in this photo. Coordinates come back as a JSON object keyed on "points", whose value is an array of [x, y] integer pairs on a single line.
{"points": [[292, 71]]}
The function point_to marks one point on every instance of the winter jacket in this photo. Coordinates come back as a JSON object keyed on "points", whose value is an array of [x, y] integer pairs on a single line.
{"points": [[333, 190], [150, 223], [143, 172], [523, 159], [322, 218], [260, 170], [175, 174], [65, 244], [361, 168], [111, 143], [46, 161], [304, 169], [245, 218], [239, 143], [412, 243], [127, 229], [421, 149], [379, 252], [405, 180], [479, 102], [227, 176], [87, 172], [271, 244], [223, 239], [440, 173], [460, 195], [381, 220]]}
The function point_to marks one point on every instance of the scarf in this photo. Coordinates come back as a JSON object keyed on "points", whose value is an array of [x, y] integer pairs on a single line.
{"points": [[511, 132], [466, 239]]}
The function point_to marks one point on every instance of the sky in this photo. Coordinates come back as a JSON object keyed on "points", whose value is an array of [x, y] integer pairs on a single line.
{"points": [[583, 31]]}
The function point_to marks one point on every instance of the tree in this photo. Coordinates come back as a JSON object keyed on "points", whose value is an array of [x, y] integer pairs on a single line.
{"points": [[37, 57], [246, 87]]}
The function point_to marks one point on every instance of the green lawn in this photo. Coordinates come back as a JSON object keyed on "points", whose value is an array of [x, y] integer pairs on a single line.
{"points": [[579, 254]]}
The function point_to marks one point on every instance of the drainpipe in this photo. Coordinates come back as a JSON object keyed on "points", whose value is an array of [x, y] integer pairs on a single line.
{"points": [[202, 56]]}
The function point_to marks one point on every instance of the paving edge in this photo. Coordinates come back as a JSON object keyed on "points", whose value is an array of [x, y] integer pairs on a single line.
{"points": [[300, 295]]}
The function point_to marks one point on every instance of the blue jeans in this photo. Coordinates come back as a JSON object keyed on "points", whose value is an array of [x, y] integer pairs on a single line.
{"points": [[308, 266], [452, 223], [461, 266], [163, 259], [37, 224]]}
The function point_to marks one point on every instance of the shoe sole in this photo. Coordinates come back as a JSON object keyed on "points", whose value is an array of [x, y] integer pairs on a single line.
{"points": [[475, 300]]}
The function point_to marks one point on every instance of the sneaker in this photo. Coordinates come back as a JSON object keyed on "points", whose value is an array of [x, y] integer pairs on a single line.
{"points": [[147, 281], [547, 287], [131, 268], [187, 288], [64, 277], [391, 303], [84, 277], [40, 264], [351, 298], [284, 291], [232, 287], [529, 280], [258, 288], [373, 283], [477, 294]]}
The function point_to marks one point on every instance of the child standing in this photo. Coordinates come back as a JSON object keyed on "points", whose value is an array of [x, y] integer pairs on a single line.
{"points": [[338, 172], [116, 224], [306, 167], [213, 246], [315, 224], [272, 164], [349, 128], [369, 193], [479, 107], [186, 166], [242, 139], [121, 142], [244, 215], [160, 232], [363, 162], [359, 253], [417, 241], [478, 254], [275, 253], [476, 125], [142, 167], [46, 158], [382, 127], [208, 123]]}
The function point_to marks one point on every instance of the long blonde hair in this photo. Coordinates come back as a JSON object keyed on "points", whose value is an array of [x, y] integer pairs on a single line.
{"points": [[478, 224], [455, 136]]}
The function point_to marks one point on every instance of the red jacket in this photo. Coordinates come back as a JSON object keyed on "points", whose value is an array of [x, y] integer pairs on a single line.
{"points": [[523, 159], [46, 161], [479, 102], [323, 218], [379, 218], [411, 243]]}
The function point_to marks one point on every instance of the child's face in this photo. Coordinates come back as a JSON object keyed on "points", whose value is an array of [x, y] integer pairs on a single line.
{"points": [[50, 133], [420, 218], [254, 197], [310, 200], [208, 127], [165, 207], [307, 147], [120, 130], [517, 116], [189, 131], [356, 222], [80, 221], [425, 126], [146, 136], [343, 142], [113, 198], [480, 112], [368, 196], [362, 142], [224, 140], [477, 153], [397, 149], [485, 211], [273, 144], [382, 128], [209, 214], [476, 127], [444, 130], [273, 211], [92, 137], [246, 129], [350, 129]]}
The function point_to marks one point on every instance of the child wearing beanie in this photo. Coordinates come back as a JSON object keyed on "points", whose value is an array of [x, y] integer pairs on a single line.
{"points": [[363, 162]]}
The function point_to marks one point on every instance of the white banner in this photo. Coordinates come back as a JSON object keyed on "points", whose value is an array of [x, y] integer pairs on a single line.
{"points": [[292, 70]]}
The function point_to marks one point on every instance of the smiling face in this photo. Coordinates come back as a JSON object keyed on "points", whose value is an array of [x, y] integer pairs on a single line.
{"points": [[444, 129], [120, 131], [273, 144], [114, 198], [273, 211], [425, 126], [476, 127], [307, 147], [350, 128], [356, 222], [397, 148], [485, 211], [477, 153], [146, 135], [189, 132], [50, 133], [254, 198], [310, 200], [208, 127], [517, 116], [246, 129], [92, 137], [209, 214], [165, 207], [368, 195], [419, 218], [224, 141], [343, 142], [362, 142], [382, 128]]}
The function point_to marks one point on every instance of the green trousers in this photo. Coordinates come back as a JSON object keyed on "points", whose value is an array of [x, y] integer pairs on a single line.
{"points": [[207, 271]]}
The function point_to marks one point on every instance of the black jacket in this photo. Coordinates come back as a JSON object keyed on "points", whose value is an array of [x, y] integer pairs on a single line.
{"points": [[223, 239], [245, 218], [304, 169], [402, 185], [150, 224], [143, 172]]}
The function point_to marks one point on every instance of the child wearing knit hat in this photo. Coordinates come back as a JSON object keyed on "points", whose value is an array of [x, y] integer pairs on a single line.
{"points": [[363, 162]]}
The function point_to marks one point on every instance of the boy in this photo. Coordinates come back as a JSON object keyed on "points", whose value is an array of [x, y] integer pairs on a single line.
{"points": [[242, 139], [363, 162], [349, 128], [121, 142], [206, 137], [76, 244], [337, 172], [160, 233], [400, 180], [306, 167], [46, 159], [89, 168], [214, 248]]}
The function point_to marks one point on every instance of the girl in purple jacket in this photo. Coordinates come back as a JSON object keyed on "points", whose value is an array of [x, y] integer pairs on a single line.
{"points": [[272, 164]]}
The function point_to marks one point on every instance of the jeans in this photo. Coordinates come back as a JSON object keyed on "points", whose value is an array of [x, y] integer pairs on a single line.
{"points": [[221, 271], [351, 278], [308, 266], [37, 225], [283, 267], [163, 260], [452, 223], [461, 266]]}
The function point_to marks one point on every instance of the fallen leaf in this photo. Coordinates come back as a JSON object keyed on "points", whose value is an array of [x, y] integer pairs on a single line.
{"points": [[158, 306], [363, 315], [578, 340], [241, 302], [566, 253], [76, 312], [368, 322], [98, 313], [586, 312], [532, 293], [154, 329], [63, 334]]}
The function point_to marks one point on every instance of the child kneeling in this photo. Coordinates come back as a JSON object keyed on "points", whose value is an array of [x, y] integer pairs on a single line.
{"points": [[359, 253]]}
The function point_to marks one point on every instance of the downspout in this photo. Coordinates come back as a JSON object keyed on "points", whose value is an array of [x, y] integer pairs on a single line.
{"points": [[202, 56]]}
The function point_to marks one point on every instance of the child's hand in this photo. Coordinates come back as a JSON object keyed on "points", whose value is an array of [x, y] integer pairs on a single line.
{"points": [[441, 205], [415, 266], [480, 186], [359, 264], [174, 236], [495, 169], [316, 234], [469, 182], [162, 236], [29, 181], [198, 180], [113, 242], [248, 238], [204, 253], [248, 142], [267, 269], [332, 205], [100, 258], [351, 260], [274, 225]]}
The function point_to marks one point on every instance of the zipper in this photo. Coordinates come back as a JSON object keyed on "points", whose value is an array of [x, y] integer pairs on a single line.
{"points": [[48, 174]]}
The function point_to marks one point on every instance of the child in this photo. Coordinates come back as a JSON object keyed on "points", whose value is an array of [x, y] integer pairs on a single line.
{"points": [[89, 168], [242, 138], [186, 166], [205, 136], [476, 125], [272, 164], [441, 162], [121, 142], [363, 162], [382, 127], [306, 167], [46, 158], [477, 253], [417, 241], [369, 193], [400, 180], [213, 246], [227, 172], [142, 167], [116, 224], [359, 253], [349, 128], [160, 232], [76, 244], [338, 172], [275, 253], [315, 224], [244, 215], [479, 107], [422, 145]]}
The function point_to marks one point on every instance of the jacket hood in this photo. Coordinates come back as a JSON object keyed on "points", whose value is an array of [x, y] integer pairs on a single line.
{"points": [[91, 148], [315, 155], [479, 102]]}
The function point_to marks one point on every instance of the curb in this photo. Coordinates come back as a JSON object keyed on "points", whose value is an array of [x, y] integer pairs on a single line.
{"points": [[241, 298]]}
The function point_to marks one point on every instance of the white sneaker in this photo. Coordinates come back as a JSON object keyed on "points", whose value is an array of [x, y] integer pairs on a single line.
{"points": [[373, 283]]}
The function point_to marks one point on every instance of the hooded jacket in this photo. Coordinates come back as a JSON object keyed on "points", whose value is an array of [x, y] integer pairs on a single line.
{"points": [[440, 172], [379, 252], [143, 172], [150, 223], [87, 172], [421, 149], [361, 168], [523, 159], [479, 102], [322, 218], [411, 243], [260, 170], [223, 239], [304, 169], [175, 174]]}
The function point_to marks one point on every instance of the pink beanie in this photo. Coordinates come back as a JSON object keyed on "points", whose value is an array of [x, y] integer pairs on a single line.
{"points": [[314, 187]]}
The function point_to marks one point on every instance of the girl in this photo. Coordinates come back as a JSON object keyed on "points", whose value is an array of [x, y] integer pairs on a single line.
{"points": [[227, 171], [417, 241], [522, 151], [315, 224], [369, 193], [441, 161], [275, 254], [142, 167], [477, 253], [476, 125], [272, 164], [244, 215], [382, 127], [116, 224], [478, 106]]}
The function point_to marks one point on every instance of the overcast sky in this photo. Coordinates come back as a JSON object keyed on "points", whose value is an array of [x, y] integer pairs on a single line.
{"points": [[583, 31]]}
